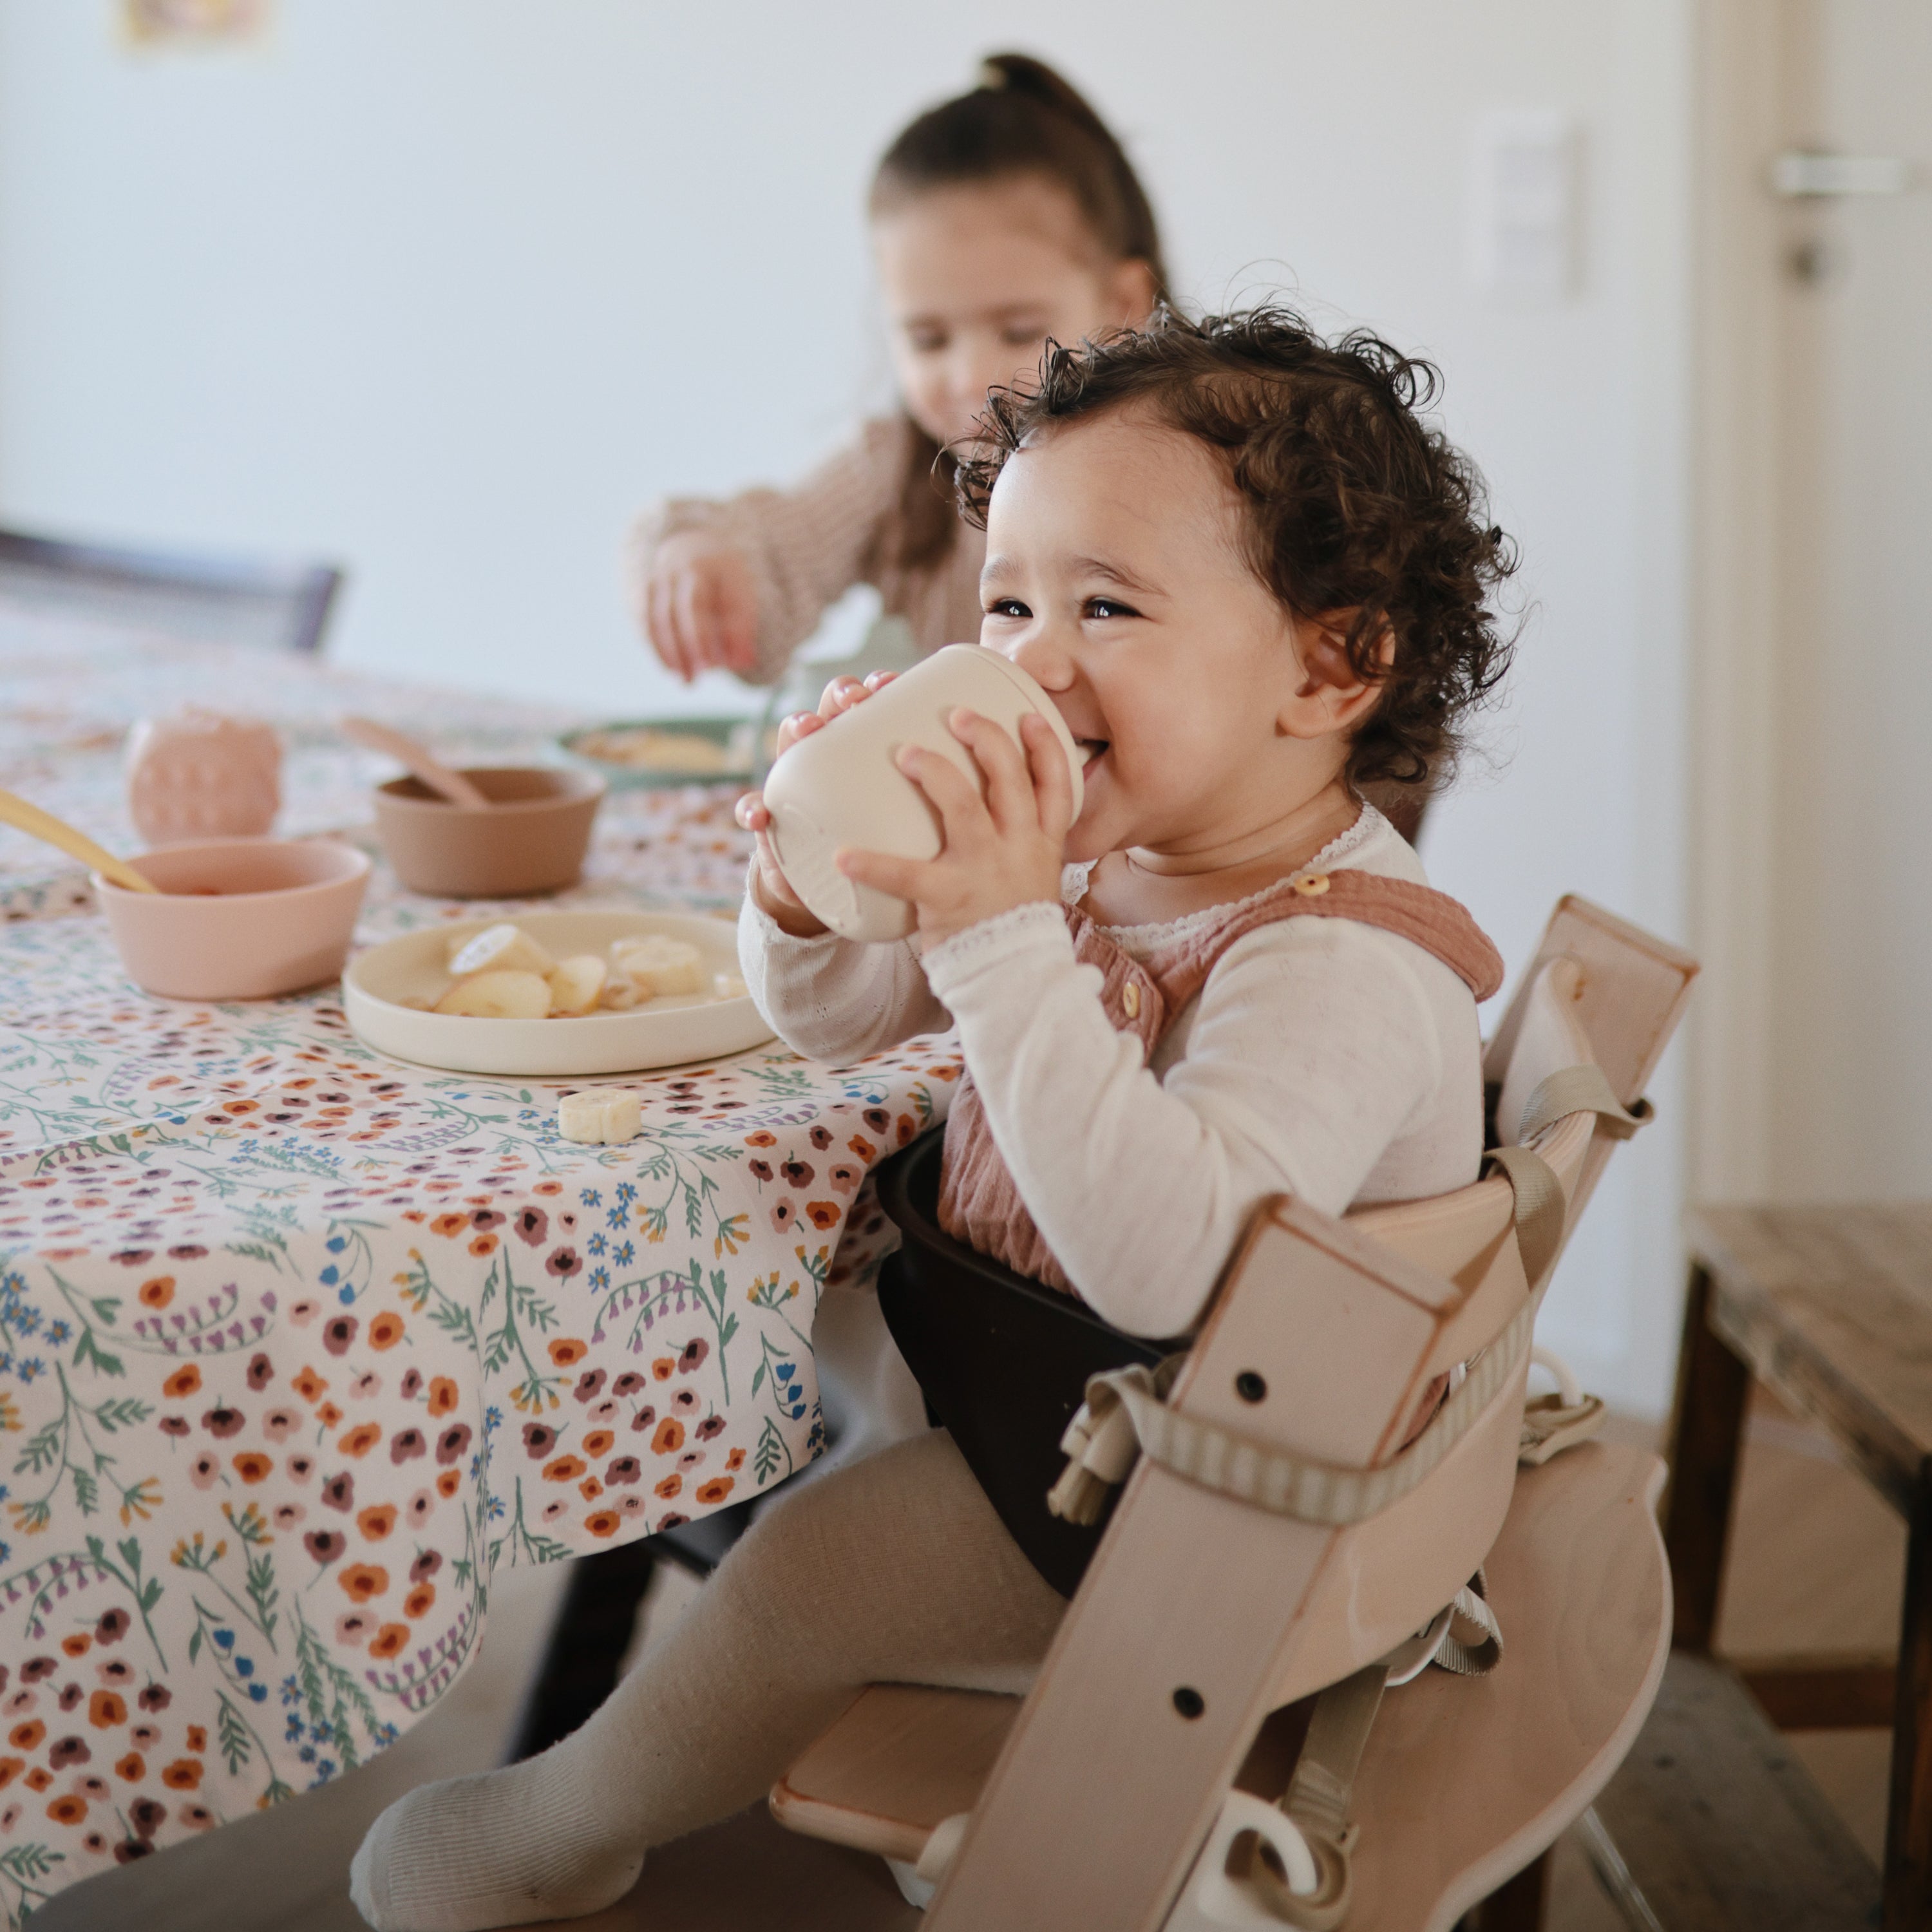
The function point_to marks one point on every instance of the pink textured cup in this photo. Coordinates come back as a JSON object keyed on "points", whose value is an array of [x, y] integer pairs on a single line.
{"points": [[238, 919]]}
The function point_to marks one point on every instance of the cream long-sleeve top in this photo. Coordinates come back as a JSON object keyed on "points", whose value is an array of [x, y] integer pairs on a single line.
{"points": [[809, 545], [1323, 1058]]}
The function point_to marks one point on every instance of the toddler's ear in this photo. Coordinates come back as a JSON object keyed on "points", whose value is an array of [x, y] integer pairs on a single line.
{"points": [[1332, 695]]}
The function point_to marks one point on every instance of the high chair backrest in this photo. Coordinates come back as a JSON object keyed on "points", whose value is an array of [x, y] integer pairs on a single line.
{"points": [[1200, 1613]]}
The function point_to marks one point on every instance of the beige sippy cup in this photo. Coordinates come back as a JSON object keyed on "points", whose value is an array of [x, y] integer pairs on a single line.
{"points": [[839, 786]]}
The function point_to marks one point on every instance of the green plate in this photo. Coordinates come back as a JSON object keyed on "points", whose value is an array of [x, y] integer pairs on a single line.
{"points": [[661, 752]]}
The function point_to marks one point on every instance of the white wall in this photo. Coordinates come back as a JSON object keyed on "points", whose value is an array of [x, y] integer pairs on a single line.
{"points": [[447, 287]]}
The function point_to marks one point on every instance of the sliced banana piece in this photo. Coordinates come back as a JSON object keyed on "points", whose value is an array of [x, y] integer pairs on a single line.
{"points": [[501, 948], [498, 996], [610, 1115], [660, 967], [575, 984]]}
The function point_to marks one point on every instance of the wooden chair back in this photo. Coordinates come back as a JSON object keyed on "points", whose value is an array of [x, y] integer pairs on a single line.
{"points": [[204, 599]]}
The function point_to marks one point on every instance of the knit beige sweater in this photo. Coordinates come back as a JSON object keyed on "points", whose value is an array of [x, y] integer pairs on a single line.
{"points": [[807, 546]]}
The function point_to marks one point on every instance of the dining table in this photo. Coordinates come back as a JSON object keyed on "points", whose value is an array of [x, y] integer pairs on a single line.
{"points": [[301, 1345]]}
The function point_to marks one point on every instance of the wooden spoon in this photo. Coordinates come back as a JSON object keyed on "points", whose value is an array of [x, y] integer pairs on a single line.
{"points": [[38, 824], [419, 760]]}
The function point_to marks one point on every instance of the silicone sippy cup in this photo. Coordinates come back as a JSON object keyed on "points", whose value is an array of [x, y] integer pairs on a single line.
{"points": [[839, 786], [201, 775]]}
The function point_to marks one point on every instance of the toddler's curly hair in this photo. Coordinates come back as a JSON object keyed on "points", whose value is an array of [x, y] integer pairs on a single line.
{"points": [[1354, 503]]}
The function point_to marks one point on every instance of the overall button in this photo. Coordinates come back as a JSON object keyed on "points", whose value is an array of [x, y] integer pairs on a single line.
{"points": [[1130, 1001]]}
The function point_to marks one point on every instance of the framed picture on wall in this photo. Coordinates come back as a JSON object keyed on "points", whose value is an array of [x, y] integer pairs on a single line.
{"points": [[152, 21]]}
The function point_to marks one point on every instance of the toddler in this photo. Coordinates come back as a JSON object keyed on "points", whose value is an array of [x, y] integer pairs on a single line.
{"points": [[1251, 580], [999, 219]]}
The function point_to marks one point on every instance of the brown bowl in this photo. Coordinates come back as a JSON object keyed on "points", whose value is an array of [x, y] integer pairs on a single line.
{"points": [[237, 918], [532, 839]]}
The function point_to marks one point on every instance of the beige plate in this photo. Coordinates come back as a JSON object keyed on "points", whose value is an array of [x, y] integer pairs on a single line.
{"points": [[665, 1032]]}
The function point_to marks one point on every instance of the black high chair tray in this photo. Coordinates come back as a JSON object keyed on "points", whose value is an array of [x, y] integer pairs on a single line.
{"points": [[1002, 1361]]}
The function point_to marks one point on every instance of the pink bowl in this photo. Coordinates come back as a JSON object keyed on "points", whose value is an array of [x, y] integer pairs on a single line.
{"points": [[238, 919]]}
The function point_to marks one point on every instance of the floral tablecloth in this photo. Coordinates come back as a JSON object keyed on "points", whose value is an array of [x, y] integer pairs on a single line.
{"points": [[298, 1344]]}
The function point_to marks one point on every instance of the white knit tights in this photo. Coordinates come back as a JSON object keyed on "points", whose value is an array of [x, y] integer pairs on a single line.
{"points": [[894, 1569]]}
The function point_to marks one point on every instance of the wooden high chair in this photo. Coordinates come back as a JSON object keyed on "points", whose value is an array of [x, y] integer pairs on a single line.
{"points": [[1272, 1542]]}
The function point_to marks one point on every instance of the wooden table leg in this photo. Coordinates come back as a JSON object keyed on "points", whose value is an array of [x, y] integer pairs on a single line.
{"points": [[1707, 1430], [1908, 1837]]}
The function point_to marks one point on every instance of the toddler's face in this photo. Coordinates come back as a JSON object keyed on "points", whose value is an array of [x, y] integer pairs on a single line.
{"points": [[976, 279], [1115, 574]]}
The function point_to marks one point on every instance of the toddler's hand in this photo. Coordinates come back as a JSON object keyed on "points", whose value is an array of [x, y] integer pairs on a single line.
{"points": [[701, 606], [771, 890], [1001, 851]]}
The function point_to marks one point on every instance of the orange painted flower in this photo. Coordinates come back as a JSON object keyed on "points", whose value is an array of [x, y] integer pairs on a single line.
{"points": [[132, 1768], [566, 1350], [360, 1440], [39, 1778], [761, 1139], [377, 1521], [735, 1460], [388, 1640], [547, 1187], [664, 1368], [362, 1581], [862, 1147], [590, 1488], [822, 1214], [602, 1522], [78, 1644], [444, 1396], [483, 1244], [448, 1482], [308, 1384], [598, 1442], [25, 1737], [716, 1490], [671, 1486], [449, 1225], [563, 1469], [253, 1467], [184, 1382], [10, 1768], [183, 1774], [418, 1602], [385, 1331], [105, 1708], [669, 1437], [197, 1739], [157, 1292], [68, 1810]]}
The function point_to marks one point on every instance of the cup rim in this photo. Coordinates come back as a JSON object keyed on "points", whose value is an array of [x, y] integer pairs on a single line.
{"points": [[358, 866]]}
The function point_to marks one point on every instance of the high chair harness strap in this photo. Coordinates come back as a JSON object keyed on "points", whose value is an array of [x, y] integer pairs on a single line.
{"points": [[978, 1202]]}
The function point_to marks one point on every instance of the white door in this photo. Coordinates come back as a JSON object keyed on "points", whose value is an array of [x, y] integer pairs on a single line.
{"points": [[1831, 291]]}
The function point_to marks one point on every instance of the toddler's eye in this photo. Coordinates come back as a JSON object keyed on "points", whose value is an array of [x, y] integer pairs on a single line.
{"points": [[926, 341], [1022, 335], [1007, 606], [1107, 606]]}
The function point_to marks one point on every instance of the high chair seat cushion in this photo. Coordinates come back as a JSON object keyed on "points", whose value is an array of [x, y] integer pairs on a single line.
{"points": [[1464, 1780], [1003, 1362]]}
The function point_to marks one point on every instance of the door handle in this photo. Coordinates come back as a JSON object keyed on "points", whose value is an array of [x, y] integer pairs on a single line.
{"points": [[1802, 174]]}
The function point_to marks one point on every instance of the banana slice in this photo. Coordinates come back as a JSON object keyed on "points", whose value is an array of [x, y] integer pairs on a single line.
{"points": [[504, 948], [575, 984], [498, 996], [660, 967], [607, 1115]]}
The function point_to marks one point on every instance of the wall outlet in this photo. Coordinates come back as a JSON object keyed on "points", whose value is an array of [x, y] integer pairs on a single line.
{"points": [[1525, 206]]}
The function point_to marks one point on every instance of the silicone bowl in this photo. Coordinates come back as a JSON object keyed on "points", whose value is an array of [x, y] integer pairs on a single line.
{"points": [[532, 839], [238, 919]]}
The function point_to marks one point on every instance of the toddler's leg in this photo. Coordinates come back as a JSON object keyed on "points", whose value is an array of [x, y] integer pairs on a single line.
{"points": [[893, 1569]]}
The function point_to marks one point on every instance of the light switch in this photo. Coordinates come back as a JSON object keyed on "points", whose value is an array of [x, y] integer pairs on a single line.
{"points": [[1524, 215]]}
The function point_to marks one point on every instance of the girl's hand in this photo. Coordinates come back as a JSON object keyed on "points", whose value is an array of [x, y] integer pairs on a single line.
{"points": [[701, 606], [771, 890], [1004, 850]]}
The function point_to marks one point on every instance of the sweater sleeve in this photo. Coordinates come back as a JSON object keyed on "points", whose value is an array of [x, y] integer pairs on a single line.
{"points": [[806, 546], [1313, 1045], [834, 999]]}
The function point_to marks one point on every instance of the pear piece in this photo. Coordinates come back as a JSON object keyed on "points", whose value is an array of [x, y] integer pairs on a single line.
{"points": [[498, 996], [500, 948], [575, 984]]}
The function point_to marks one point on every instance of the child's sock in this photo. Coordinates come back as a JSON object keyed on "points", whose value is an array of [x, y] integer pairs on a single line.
{"points": [[503, 1848], [895, 1569]]}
